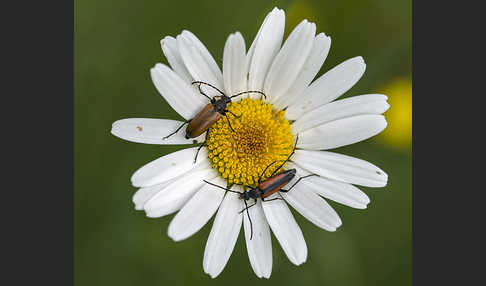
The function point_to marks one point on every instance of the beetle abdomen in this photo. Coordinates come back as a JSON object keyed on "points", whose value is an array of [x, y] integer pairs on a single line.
{"points": [[275, 183], [202, 121]]}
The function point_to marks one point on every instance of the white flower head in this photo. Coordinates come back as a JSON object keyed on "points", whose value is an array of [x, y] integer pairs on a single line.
{"points": [[259, 130]]}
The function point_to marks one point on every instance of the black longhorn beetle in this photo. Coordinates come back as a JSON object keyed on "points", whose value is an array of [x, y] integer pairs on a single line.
{"points": [[267, 187], [211, 113]]}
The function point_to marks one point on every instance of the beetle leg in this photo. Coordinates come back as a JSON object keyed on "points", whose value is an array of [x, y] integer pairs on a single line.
{"points": [[198, 149], [177, 130], [263, 200], [202, 145], [229, 123], [284, 191], [260, 178], [226, 110]]}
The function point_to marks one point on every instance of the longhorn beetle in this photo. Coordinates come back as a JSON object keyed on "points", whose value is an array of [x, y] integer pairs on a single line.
{"points": [[211, 113], [267, 187]]}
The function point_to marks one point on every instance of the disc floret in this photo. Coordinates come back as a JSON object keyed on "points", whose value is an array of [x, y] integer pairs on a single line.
{"points": [[261, 136]]}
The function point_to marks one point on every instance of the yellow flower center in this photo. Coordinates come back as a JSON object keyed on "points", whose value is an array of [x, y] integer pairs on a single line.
{"points": [[261, 136]]}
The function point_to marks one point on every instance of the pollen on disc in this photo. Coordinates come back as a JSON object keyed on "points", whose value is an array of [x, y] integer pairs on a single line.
{"points": [[261, 136]]}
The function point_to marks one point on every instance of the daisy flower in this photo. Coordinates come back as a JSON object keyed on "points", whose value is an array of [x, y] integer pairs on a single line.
{"points": [[262, 131]]}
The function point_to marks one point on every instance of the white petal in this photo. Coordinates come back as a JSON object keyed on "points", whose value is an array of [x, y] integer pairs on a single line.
{"points": [[339, 192], [351, 106], [285, 229], [178, 93], [341, 132], [234, 60], [152, 131], [266, 46], [197, 211], [171, 52], [341, 168], [312, 207], [208, 58], [260, 246], [313, 64], [223, 236], [328, 87], [168, 167], [177, 193], [289, 61], [251, 50], [199, 62], [145, 194]]}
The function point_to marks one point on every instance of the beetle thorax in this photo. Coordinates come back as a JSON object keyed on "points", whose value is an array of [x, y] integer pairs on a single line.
{"points": [[221, 103], [254, 193]]}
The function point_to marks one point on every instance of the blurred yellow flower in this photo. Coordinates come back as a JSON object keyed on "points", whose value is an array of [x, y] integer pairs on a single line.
{"points": [[398, 133]]}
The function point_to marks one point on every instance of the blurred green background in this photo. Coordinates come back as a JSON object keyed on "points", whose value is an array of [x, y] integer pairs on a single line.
{"points": [[117, 42]]}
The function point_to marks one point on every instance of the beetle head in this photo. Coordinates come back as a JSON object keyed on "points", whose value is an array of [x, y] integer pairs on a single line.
{"points": [[226, 99]]}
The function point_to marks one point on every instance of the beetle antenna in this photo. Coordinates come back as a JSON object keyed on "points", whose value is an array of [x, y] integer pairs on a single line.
{"points": [[247, 207], [251, 224], [250, 91], [221, 187], [208, 84], [202, 92]]}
